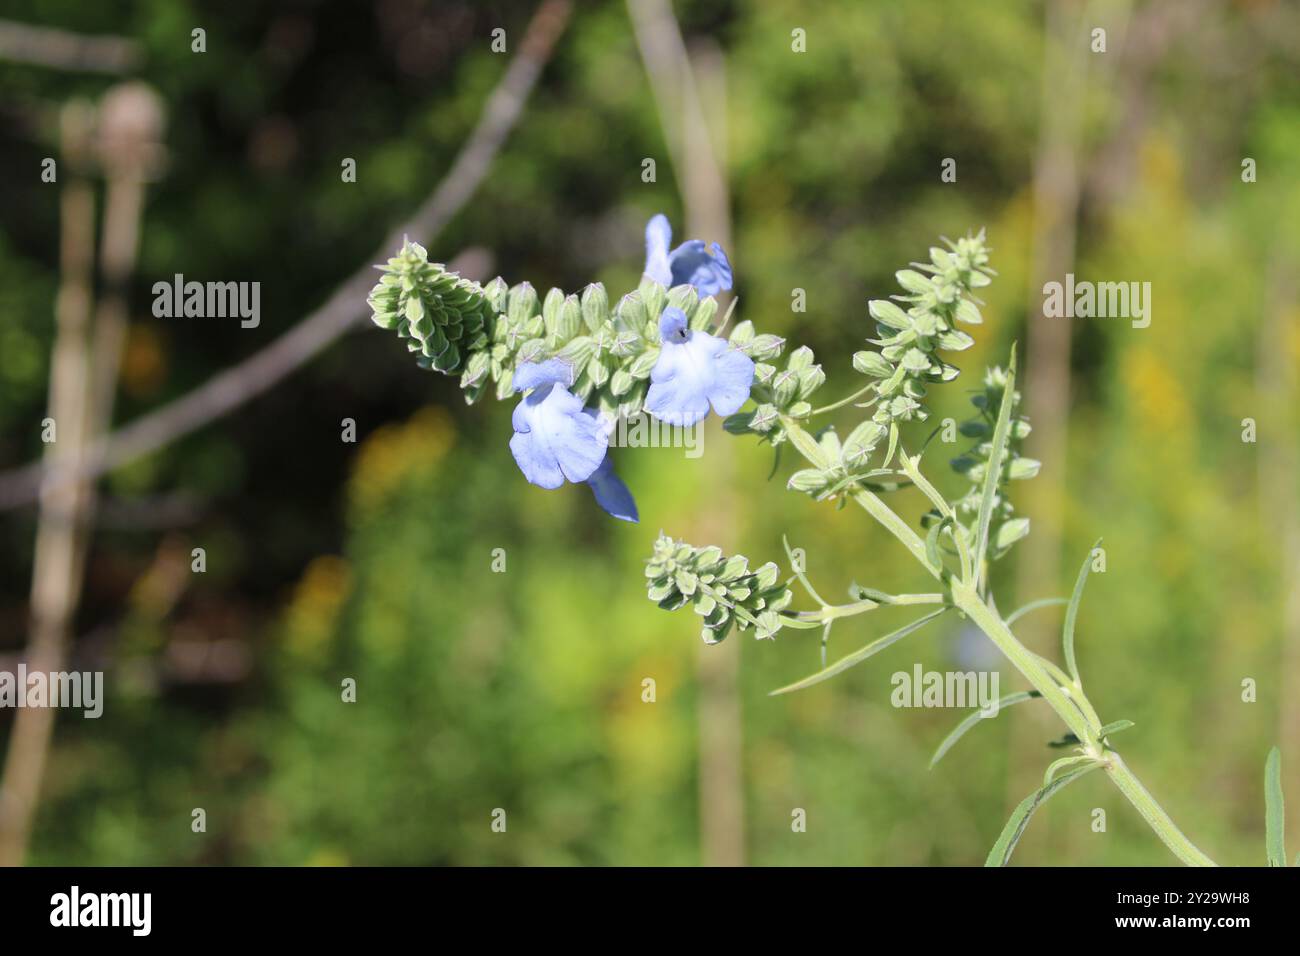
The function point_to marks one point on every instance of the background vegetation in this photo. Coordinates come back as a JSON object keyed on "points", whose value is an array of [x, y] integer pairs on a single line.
{"points": [[522, 690]]}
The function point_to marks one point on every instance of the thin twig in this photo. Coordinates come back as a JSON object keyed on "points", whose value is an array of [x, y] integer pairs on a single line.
{"points": [[62, 50], [59, 558]]}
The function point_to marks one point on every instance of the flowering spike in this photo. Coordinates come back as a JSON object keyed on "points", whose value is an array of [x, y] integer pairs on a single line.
{"points": [[722, 590]]}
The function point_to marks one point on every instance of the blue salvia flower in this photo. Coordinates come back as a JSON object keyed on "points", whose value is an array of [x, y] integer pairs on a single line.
{"points": [[554, 439], [611, 494], [695, 370], [691, 263]]}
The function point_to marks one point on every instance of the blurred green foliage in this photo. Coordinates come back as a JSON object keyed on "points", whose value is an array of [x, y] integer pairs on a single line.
{"points": [[522, 690]]}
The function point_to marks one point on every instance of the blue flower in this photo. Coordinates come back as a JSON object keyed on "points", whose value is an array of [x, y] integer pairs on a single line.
{"points": [[691, 263], [554, 440], [611, 494], [695, 370]]}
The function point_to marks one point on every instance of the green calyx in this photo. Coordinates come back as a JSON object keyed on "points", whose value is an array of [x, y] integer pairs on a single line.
{"points": [[937, 296], [443, 317], [777, 392], [1005, 528], [484, 333], [722, 590]]}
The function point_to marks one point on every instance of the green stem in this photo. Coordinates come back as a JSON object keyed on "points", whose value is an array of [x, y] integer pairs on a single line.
{"points": [[896, 526], [1026, 661], [831, 612], [968, 600], [844, 401], [1071, 690], [1153, 813]]}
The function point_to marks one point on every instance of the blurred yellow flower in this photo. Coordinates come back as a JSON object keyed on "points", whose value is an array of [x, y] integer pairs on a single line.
{"points": [[395, 452], [320, 593], [144, 362], [1156, 395]]}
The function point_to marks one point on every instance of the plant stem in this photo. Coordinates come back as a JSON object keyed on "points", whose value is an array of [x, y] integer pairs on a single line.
{"points": [[1153, 813], [1025, 661], [968, 600], [832, 612], [844, 401]]}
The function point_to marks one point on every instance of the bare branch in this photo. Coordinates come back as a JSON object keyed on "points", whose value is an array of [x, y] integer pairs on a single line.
{"points": [[61, 50], [343, 310]]}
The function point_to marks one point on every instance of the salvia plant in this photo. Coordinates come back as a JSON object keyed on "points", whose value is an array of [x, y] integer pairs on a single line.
{"points": [[580, 363]]}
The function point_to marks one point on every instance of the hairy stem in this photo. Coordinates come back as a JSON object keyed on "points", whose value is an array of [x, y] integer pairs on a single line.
{"points": [[1077, 716], [833, 612], [1153, 813]]}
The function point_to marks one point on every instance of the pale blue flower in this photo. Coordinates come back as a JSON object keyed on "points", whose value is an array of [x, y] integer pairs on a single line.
{"points": [[695, 370], [554, 440], [611, 494], [691, 263]]}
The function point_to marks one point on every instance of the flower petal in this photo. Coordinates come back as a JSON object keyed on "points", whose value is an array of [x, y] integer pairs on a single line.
{"points": [[533, 374], [733, 376], [691, 374], [554, 440], [611, 494], [658, 237], [673, 325], [708, 269]]}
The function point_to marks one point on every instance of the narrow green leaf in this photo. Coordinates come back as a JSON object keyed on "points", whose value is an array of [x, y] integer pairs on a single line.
{"points": [[860, 655], [1274, 811], [1114, 728], [1000, 855], [932, 542], [1064, 763], [799, 573], [798, 623], [1020, 612], [1072, 613], [994, 468], [974, 718]]}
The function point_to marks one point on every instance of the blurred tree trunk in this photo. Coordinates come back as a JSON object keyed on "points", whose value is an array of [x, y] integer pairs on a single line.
{"points": [[1047, 355], [722, 775], [59, 558], [1279, 478], [689, 91], [83, 382]]}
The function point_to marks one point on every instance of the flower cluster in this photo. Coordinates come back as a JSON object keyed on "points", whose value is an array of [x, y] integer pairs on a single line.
{"points": [[722, 590], [937, 295], [778, 393], [845, 463], [443, 317], [579, 365], [1004, 528]]}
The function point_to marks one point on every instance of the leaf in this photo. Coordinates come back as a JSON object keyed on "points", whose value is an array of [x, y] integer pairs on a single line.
{"points": [[1009, 533], [1000, 855], [932, 542], [1072, 612], [1064, 764], [860, 655], [795, 566], [1274, 810], [1114, 728], [974, 718], [994, 468], [1020, 612]]}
